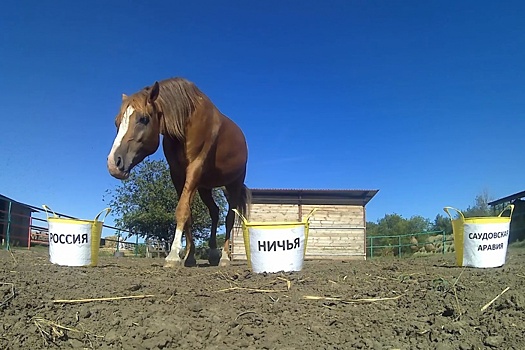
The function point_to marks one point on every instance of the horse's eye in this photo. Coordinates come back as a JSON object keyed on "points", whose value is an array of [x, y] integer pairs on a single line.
{"points": [[144, 120]]}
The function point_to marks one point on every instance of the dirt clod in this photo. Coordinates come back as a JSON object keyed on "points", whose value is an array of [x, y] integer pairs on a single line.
{"points": [[494, 341]]}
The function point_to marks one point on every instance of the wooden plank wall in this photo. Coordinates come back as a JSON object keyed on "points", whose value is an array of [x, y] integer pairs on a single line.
{"points": [[336, 231]]}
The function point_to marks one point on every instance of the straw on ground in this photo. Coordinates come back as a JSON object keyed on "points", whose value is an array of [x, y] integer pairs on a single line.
{"points": [[71, 301], [288, 282], [254, 290], [259, 289], [245, 313], [51, 331], [493, 300], [11, 294], [350, 301]]}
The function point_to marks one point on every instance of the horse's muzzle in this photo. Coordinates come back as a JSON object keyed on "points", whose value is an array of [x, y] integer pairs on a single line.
{"points": [[117, 170]]}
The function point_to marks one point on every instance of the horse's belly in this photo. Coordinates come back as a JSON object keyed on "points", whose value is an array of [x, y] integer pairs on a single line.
{"points": [[223, 174]]}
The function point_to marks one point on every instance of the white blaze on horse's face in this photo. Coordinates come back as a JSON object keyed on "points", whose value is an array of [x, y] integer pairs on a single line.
{"points": [[138, 133], [137, 138], [122, 130]]}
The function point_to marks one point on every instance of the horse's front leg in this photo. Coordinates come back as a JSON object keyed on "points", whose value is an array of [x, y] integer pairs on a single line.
{"points": [[189, 256], [183, 219], [173, 259]]}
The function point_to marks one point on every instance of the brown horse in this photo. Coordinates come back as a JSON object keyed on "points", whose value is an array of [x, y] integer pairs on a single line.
{"points": [[204, 150]]}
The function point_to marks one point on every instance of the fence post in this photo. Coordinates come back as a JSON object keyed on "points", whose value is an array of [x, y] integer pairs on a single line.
{"points": [[371, 247], [136, 245], [7, 245], [118, 241], [398, 246], [443, 240], [29, 233]]}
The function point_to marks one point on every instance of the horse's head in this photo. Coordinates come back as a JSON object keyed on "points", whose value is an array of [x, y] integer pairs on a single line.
{"points": [[138, 128]]}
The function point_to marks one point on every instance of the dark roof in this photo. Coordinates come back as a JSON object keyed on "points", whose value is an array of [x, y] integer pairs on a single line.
{"points": [[311, 197], [36, 209], [7, 199], [508, 198]]}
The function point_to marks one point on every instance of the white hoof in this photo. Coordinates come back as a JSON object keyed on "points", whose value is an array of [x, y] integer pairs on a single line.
{"points": [[224, 262], [173, 260], [172, 263]]}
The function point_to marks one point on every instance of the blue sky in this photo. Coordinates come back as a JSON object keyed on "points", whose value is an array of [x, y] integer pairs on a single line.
{"points": [[423, 100]]}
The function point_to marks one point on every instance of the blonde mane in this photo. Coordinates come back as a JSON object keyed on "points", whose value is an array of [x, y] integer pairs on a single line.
{"points": [[178, 99]]}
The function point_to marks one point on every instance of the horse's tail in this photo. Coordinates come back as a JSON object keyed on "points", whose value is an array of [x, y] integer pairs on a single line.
{"points": [[245, 202]]}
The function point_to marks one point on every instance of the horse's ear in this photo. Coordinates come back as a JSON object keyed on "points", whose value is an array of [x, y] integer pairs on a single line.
{"points": [[124, 97], [154, 93]]}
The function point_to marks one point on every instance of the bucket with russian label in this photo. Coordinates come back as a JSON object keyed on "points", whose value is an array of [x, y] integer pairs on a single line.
{"points": [[74, 242], [481, 241], [275, 246]]}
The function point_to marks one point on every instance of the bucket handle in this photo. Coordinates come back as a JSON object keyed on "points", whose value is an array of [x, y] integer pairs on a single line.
{"points": [[446, 209], [240, 216], [511, 207], [310, 215], [47, 210], [106, 210]]}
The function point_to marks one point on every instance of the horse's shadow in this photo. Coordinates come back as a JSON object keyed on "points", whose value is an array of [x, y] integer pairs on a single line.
{"points": [[201, 264], [204, 264]]}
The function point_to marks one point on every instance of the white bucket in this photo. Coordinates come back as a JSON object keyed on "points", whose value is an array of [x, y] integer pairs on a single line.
{"points": [[74, 242], [275, 247], [481, 241]]}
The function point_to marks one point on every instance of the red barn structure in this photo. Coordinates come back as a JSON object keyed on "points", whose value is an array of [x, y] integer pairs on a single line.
{"points": [[15, 222]]}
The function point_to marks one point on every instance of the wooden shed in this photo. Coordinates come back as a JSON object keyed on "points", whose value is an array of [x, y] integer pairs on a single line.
{"points": [[337, 229]]}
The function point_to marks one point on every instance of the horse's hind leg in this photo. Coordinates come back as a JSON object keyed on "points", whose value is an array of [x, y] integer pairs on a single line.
{"points": [[207, 199], [234, 197], [230, 220]]}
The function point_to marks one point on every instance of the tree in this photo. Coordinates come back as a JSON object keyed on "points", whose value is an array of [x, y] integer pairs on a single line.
{"points": [[395, 225], [145, 204], [480, 207], [418, 224], [442, 223]]}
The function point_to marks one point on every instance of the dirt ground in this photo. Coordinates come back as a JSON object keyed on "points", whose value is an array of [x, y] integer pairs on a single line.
{"points": [[413, 303]]}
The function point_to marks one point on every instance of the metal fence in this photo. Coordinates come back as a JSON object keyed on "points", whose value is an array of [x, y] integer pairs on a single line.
{"points": [[405, 244], [36, 233], [29, 230]]}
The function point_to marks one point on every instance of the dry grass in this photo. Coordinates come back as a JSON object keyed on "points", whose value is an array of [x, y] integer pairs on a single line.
{"points": [[11, 295], [52, 331], [493, 300], [253, 290], [72, 301], [351, 301], [235, 285]]}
